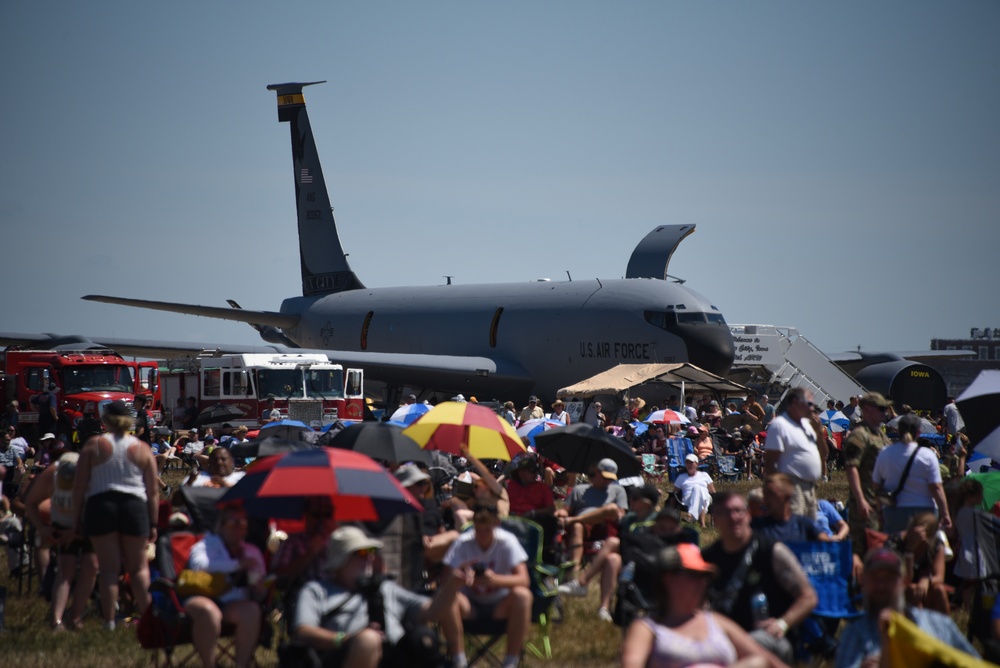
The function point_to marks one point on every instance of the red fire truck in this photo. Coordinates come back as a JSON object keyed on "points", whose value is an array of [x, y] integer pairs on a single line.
{"points": [[86, 380], [308, 388]]}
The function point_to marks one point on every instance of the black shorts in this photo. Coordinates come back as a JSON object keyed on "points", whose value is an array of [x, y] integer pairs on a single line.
{"points": [[116, 511]]}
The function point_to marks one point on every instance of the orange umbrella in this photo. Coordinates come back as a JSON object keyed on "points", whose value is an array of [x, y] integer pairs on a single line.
{"points": [[451, 424]]}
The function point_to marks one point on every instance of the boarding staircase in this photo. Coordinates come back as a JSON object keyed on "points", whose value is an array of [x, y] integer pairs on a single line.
{"points": [[790, 360]]}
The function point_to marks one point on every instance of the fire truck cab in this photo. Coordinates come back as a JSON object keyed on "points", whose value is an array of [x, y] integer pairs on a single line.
{"points": [[86, 381], [308, 388]]}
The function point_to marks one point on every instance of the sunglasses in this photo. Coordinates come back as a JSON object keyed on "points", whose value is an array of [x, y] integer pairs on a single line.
{"points": [[235, 523], [482, 508], [367, 552]]}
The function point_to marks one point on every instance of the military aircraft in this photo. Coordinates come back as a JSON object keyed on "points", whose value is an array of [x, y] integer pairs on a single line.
{"points": [[499, 340]]}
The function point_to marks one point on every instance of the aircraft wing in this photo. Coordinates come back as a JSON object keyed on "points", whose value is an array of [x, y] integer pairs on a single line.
{"points": [[913, 356], [444, 372], [270, 318]]}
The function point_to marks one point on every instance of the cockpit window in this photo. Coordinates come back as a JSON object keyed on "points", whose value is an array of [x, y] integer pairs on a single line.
{"points": [[669, 319]]}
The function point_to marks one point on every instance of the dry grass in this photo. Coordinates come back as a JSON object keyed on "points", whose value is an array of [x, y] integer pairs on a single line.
{"points": [[580, 639]]}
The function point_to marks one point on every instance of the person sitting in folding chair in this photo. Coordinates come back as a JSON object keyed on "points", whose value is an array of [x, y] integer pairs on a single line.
{"points": [[696, 489], [596, 509], [353, 615], [226, 552], [497, 584]]}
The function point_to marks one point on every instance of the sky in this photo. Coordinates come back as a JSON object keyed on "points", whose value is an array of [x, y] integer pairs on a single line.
{"points": [[841, 161]]}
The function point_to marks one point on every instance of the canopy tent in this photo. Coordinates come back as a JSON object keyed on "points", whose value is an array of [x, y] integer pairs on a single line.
{"points": [[626, 376]]}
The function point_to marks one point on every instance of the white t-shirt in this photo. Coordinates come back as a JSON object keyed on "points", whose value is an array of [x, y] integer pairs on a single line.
{"points": [[685, 482], [501, 557], [926, 470], [796, 441]]}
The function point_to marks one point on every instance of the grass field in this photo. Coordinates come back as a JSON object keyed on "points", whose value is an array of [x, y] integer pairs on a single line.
{"points": [[580, 639]]}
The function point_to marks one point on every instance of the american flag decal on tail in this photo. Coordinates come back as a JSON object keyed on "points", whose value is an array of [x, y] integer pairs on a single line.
{"points": [[304, 176]]}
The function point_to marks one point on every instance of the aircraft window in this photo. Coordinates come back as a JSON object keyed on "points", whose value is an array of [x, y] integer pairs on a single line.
{"points": [[494, 326], [690, 318], [364, 330], [663, 320], [716, 318]]}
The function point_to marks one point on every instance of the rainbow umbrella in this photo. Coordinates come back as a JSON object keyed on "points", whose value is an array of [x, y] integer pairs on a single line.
{"points": [[360, 489], [451, 424]]}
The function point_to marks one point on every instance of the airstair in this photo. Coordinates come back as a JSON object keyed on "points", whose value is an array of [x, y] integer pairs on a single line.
{"points": [[791, 360]]}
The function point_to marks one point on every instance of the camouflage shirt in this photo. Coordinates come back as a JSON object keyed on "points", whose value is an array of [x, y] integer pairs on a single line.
{"points": [[861, 449]]}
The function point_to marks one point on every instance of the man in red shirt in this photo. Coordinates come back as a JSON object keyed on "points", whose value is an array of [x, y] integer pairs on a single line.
{"points": [[529, 496]]}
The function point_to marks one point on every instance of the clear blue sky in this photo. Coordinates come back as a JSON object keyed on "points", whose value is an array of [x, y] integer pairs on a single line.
{"points": [[841, 160]]}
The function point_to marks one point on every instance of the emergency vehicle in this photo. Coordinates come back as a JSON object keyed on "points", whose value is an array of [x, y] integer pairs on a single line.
{"points": [[86, 381], [306, 387]]}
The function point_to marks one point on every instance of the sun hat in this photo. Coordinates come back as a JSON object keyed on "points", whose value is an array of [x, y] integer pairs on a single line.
{"points": [[344, 542], [409, 475]]}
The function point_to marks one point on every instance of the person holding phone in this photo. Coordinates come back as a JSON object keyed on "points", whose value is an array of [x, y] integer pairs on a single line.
{"points": [[497, 586]]}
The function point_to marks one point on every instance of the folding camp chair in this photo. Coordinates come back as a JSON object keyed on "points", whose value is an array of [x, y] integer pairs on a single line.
{"points": [[728, 469], [482, 635], [829, 569], [652, 468], [677, 450]]}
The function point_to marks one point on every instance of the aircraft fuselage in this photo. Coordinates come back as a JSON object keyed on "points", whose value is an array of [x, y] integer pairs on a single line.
{"points": [[554, 332]]}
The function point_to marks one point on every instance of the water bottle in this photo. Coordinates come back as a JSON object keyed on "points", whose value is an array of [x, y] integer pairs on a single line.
{"points": [[628, 573], [758, 607]]}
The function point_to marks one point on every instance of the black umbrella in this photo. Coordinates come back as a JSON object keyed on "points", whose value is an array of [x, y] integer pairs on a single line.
{"points": [[267, 446], [218, 414], [580, 446], [382, 441]]}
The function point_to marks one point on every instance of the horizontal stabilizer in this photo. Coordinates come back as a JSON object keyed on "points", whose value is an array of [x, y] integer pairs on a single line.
{"points": [[271, 318]]}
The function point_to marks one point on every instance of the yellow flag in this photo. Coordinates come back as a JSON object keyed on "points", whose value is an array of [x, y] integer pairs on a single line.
{"points": [[909, 647]]}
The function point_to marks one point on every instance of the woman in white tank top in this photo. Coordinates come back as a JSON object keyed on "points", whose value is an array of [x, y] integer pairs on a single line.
{"points": [[116, 498], [55, 485]]}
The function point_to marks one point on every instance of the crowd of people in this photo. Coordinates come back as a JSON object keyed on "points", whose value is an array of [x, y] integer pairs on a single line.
{"points": [[742, 600]]}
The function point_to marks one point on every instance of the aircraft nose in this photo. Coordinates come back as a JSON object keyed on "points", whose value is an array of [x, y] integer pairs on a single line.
{"points": [[710, 347]]}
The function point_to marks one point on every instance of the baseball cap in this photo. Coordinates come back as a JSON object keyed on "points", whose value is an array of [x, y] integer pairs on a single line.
{"points": [[532, 399], [883, 558], [48, 436], [608, 469], [409, 475], [876, 399], [691, 458], [683, 557], [693, 431], [344, 542]]}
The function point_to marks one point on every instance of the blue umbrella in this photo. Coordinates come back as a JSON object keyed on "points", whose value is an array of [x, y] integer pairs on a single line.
{"points": [[408, 414], [533, 428], [835, 420]]}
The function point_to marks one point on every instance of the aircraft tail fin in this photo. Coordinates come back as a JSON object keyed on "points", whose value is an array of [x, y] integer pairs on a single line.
{"points": [[325, 269]]}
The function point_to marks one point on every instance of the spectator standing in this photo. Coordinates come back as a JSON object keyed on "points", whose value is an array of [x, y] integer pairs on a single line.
{"points": [[791, 449], [55, 484], [920, 489], [861, 449], [116, 500], [953, 422], [46, 403], [533, 411], [559, 412]]}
